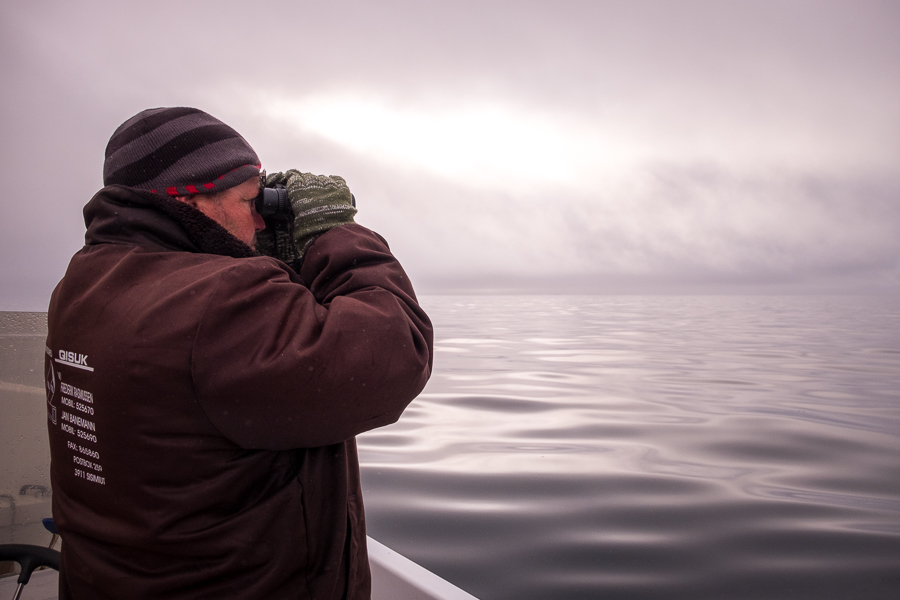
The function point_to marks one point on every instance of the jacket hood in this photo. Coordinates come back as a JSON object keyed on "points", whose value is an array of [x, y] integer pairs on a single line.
{"points": [[122, 215]]}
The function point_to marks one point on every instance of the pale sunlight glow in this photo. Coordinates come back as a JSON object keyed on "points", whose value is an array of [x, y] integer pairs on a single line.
{"points": [[484, 145]]}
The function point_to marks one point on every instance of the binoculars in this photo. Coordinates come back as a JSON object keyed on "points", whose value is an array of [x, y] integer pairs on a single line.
{"points": [[273, 204]]}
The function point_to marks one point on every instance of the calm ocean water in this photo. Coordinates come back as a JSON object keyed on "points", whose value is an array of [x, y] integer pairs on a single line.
{"points": [[650, 447]]}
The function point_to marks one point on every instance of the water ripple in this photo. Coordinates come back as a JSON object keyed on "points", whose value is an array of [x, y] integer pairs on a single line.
{"points": [[651, 448]]}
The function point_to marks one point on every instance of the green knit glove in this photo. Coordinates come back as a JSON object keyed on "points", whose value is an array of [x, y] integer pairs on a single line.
{"points": [[319, 203]]}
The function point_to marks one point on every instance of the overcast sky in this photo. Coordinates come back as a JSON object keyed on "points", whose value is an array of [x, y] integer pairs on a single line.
{"points": [[520, 146]]}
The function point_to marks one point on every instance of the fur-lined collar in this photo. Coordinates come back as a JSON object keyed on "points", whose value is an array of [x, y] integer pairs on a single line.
{"points": [[118, 214]]}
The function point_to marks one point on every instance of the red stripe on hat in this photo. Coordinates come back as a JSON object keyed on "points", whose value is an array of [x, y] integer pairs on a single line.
{"points": [[191, 189], [172, 191], [209, 186]]}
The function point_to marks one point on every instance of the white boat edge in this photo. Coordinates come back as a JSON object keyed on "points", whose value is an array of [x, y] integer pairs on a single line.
{"points": [[394, 577]]}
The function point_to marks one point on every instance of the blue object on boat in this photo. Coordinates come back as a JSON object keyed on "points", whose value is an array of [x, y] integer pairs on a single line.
{"points": [[50, 525]]}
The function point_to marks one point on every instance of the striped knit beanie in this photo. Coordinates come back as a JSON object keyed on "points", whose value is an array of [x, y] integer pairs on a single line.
{"points": [[179, 152]]}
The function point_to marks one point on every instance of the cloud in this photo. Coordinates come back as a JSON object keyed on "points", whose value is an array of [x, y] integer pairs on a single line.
{"points": [[486, 207], [517, 143]]}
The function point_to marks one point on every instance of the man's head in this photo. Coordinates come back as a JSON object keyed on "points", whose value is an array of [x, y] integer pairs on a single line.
{"points": [[191, 156]]}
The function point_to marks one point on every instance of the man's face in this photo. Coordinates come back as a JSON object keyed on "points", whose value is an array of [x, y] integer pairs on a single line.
{"points": [[233, 209]]}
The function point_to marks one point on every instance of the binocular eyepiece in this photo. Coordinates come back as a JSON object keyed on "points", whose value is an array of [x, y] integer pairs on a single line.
{"points": [[273, 204]]}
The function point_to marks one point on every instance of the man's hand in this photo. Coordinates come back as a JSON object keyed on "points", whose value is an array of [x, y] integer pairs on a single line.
{"points": [[319, 203]]}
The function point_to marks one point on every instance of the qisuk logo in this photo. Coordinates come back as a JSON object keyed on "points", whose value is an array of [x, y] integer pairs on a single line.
{"points": [[73, 359]]}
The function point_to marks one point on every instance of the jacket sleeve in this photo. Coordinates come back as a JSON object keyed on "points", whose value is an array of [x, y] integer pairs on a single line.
{"points": [[285, 361]]}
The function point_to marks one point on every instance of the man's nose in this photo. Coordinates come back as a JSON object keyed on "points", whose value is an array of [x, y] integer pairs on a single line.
{"points": [[258, 222]]}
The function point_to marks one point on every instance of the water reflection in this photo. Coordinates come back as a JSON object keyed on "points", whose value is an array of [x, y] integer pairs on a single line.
{"points": [[647, 448]]}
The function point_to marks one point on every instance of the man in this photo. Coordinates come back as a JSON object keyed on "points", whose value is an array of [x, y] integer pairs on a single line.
{"points": [[203, 398]]}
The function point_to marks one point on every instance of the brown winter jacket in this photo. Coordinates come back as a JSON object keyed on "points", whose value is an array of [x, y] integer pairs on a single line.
{"points": [[203, 404]]}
